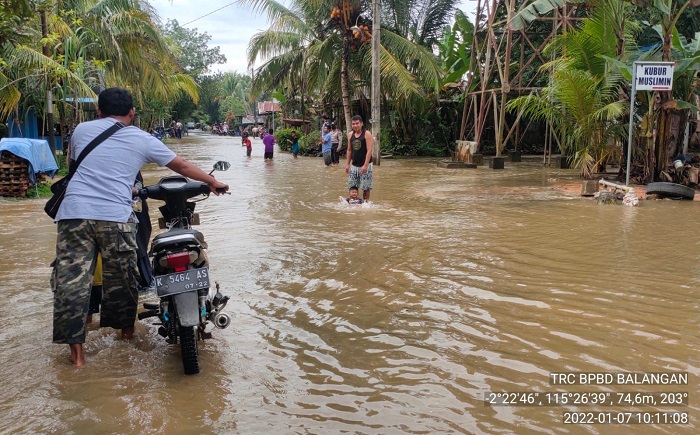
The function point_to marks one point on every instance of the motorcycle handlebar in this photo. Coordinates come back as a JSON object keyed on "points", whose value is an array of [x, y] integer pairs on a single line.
{"points": [[173, 186]]}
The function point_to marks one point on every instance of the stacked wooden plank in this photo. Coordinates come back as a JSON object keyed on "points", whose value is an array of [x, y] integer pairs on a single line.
{"points": [[14, 178]]}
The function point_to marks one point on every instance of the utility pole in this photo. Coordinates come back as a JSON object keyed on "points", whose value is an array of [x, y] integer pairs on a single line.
{"points": [[49, 93], [376, 113], [303, 117], [255, 102]]}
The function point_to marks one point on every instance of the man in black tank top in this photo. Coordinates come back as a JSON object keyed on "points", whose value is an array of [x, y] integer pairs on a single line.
{"points": [[359, 167]]}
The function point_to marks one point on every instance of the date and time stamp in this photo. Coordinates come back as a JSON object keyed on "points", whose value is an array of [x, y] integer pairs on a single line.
{"points": [[618, 406]]}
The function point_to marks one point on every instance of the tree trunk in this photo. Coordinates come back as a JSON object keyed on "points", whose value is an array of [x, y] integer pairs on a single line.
{"points": [[345, 81], [663, 135], [664, 119], [49, 94]]}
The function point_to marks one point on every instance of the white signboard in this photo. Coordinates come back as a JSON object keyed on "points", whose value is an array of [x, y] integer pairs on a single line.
{"points": [[653, 76]]}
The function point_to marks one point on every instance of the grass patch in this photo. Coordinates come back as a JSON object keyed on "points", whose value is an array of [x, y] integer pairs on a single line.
{"points": [[41, 190], [61, 162]]}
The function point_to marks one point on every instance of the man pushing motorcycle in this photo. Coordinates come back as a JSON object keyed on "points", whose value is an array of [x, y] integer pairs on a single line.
{"points": [[96, 215]]}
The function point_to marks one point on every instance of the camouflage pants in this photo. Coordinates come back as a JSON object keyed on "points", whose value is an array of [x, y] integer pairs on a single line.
{"points": [[77, 245]]}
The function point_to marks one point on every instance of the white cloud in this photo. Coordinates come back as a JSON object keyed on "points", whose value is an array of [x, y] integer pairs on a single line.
{"points": [[230, 28]]}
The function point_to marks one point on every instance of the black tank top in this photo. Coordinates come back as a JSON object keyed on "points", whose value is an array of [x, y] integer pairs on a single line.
{"points": [[359, 148]]}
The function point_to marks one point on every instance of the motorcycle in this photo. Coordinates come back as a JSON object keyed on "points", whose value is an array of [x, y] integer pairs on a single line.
{"points": [[188, 302]]}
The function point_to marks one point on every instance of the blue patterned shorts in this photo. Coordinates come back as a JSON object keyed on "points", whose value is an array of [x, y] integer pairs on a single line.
{"points": [[362, 181]]}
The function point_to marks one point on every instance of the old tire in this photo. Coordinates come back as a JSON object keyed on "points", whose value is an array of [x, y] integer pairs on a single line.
{"points": [[671, 190], [188, 345]]}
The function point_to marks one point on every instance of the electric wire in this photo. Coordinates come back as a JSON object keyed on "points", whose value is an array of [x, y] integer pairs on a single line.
{"points": [[206, 15]]}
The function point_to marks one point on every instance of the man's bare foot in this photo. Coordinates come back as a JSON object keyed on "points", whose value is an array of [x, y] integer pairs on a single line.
{"points": [[77, 358], [88, 321], [128, 332]]}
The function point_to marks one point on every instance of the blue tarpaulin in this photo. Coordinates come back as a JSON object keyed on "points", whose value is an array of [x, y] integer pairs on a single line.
{"points": [[36, 151]]}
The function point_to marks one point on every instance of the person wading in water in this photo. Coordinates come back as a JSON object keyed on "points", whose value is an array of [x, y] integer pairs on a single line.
{"points": [[359, 167]]}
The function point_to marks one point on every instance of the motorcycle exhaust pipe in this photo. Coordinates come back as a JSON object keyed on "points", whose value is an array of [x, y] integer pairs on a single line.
{"points": [[222, 320]]}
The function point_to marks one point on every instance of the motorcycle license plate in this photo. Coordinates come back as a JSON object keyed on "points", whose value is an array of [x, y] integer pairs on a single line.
{"points": [[180, 282]]}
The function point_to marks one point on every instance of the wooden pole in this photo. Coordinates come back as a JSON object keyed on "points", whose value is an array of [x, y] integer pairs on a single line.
{"points": [[376, 101]]}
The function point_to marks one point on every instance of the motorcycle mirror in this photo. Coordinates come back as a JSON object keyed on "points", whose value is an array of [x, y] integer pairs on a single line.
{"points": [[221, 165]]}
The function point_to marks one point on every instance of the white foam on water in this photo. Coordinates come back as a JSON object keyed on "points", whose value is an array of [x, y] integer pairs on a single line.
{"points": [[343, 204]]}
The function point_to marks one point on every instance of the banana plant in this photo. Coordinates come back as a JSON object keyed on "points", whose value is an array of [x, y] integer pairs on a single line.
{"points": [[668, 12], [533, 11], [454, 48], [678, 102]]}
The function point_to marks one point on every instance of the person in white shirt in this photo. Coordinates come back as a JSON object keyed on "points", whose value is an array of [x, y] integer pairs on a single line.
{"points": [[96, 215]]}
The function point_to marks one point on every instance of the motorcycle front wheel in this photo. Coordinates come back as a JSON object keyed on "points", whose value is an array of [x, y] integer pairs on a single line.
{"points": [[188, 344]]}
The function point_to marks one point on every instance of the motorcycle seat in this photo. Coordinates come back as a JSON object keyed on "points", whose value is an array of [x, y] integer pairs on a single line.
{"points": [[178, 236]]}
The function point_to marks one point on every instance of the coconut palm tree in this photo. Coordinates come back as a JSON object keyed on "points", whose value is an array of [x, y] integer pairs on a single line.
{"points": [[88, 42], [295, 53], [328, 43], [136, 54], [417, 119]]}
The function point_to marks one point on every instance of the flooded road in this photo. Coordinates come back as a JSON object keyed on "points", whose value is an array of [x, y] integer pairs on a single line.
{"points": [[398, 318]]}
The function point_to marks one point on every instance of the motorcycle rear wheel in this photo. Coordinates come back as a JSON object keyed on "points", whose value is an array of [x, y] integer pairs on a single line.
{"points": [[188, 345]]}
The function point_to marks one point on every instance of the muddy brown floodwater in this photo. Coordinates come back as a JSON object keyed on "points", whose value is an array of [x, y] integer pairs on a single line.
{"points": [[398, 318]]}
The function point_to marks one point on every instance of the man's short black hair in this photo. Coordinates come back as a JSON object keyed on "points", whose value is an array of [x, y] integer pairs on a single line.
{"points": [[358, 118], [270, 131], [115, 102], [353, 188]]}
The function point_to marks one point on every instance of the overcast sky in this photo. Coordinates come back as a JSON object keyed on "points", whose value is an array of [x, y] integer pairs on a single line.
{"points": [[230, 27]]}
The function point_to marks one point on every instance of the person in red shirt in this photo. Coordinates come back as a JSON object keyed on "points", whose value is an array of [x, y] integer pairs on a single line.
{"points": [[246, 143]]}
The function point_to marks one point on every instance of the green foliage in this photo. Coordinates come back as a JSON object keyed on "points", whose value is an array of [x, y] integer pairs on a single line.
{"points": [[309, 54], [283, 136], [182, 108], [582, 101], [192, 49], [420, 127], [14, 15], [62, 165], [419, 21], [41, 190], [210, 94], [430, 149], [3, 130], [87, 44], [201, 117], [454, 48], [532, 11], [235, 89], [232, 106], [236, 85], [308, 144]]}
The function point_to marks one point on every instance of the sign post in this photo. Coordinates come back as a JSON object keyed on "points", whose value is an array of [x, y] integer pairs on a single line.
{"points": [[646, 76]]}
